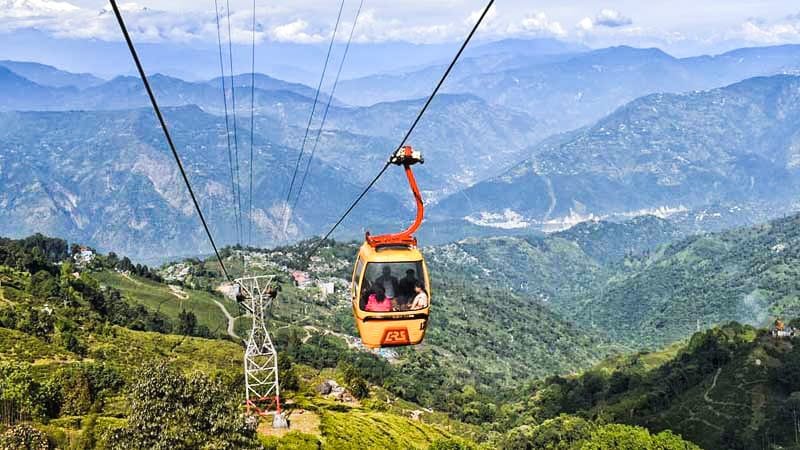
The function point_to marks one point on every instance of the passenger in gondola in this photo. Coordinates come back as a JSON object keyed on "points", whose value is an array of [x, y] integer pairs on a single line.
{"points": [[421, 299], [406, 288], [378, 302], [388, 282]]}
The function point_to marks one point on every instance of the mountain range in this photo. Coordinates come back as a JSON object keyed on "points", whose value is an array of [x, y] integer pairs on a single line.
{"points": [[706, 160], [581, 85], [663, 153]]}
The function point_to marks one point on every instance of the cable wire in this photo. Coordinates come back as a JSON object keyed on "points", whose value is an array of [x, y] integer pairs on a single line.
{"points": [[236, 212], [166, 132], [310, 119], [325, 114], [410, 130], [235, 128], [252, 128]]}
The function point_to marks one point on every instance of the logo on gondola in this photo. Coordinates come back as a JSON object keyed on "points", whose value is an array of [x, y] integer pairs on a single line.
{"points": [[395, 336]]}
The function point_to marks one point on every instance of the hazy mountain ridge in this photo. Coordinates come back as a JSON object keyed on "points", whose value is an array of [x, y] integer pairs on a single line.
{"points": [[121, 189], [733, 146], [581, 85], [50, 76]]}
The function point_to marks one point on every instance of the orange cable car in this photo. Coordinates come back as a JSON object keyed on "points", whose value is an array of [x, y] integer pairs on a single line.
{"points": [[391, 286]]}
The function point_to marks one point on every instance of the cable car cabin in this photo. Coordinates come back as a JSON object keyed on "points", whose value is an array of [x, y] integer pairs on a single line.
{"points": [[391, 287], [386, 281]]}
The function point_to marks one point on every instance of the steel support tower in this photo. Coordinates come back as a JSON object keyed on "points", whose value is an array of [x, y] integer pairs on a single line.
{"points": [[262, 391]]}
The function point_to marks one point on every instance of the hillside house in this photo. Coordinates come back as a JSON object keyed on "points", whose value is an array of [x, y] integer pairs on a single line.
{"points": [[301, 279], [84, 256]]}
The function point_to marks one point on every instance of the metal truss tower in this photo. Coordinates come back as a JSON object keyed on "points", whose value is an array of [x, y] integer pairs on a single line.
{"points": [[260, 358]]}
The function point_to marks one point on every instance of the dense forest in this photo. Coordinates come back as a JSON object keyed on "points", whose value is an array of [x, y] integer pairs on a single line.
{"points": [[98, 352]]}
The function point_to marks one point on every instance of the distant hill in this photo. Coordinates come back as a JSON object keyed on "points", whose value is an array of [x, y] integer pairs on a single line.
{"points": [[50, 76], [744, 274], [665, 154], [557, 269], [580, 85], [108, 179], [16, 89], [642, 283]]}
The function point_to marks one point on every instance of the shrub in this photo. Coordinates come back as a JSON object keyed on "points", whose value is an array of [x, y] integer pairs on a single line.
{"points": [[24, 437]]}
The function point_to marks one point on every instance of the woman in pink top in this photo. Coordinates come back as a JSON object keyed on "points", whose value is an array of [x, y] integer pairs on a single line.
{"points": [[377, 301]]}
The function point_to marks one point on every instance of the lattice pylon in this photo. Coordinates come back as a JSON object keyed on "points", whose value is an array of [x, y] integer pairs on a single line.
{"points": [[262, 390]]}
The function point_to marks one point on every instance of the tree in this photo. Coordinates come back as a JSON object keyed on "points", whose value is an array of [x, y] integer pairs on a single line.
{"points": [[170, 411], [564, 432], [626, 437], [43, 286], [358, 387], [76, 393], [187, 323], [286, 373]]}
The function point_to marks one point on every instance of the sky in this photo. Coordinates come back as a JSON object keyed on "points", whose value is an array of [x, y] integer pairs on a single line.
{"points": [[681, 27]]}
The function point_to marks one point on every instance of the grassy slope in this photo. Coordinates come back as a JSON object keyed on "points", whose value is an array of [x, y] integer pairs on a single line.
{"points": [[16, 346], [358, 427], [362, 430], [159, 297], [126, 350]]}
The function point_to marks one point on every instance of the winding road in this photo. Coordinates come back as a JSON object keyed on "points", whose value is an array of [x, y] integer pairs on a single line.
{"points": [[231, 320]]}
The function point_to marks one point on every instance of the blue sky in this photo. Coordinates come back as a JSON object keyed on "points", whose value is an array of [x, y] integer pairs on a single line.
{"points": [[681, 27]]}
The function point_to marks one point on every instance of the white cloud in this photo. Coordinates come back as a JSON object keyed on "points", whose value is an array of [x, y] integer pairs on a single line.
{"points": [[539, 24], [296, 31], [374, 28], [612, 18], [786, 30], [417, 21], [33, 8]]}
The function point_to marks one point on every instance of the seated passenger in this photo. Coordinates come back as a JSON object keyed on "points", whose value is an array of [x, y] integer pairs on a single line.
{"points": [[377, 301], [388, 282], [421, 299], [406, 287]]}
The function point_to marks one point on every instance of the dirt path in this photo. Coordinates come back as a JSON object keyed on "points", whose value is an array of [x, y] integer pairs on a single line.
{"points": [[231, 319], [178, 292], [550, 193], [713, 385], [693, 418], [708, 398], [300, 420]]}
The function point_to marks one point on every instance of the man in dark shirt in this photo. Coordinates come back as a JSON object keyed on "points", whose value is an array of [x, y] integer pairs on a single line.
{"points": [[406, 287]]}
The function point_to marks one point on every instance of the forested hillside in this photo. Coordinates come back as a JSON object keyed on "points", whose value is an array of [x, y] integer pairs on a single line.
{"points": [[639, 282], [733, 387], [747, 274], [87, 365]]}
